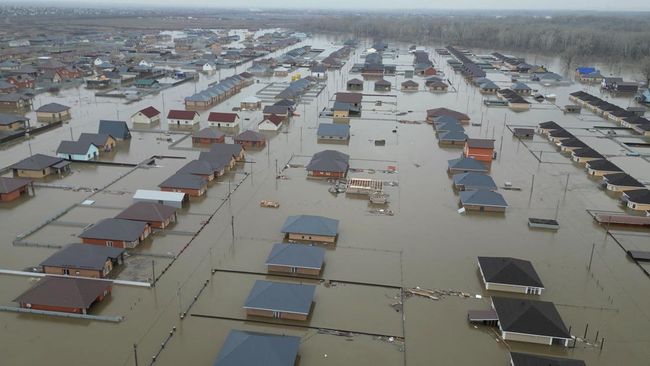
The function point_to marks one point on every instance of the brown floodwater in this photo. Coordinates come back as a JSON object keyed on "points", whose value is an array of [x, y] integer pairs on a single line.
{"points": [[426, 243]]}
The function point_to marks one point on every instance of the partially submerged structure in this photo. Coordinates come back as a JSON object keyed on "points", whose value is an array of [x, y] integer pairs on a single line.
{"points": [[329, 164], [153, 213], [280, 300], [509, 275], [258, 349], [296, 259], [116, 233], [83, 260], [64, 294], [483, 200], [311, 228]]}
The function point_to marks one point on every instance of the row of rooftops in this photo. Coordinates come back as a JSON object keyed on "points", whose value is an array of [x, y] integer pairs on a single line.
{"points": [[223, 87], [628, 118]]}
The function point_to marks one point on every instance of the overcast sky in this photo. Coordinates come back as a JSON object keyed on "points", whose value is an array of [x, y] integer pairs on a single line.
{"points": [[620, 5]]}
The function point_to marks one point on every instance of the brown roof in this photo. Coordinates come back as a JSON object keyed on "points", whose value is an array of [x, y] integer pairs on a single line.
{"points": [[8, 185], [222, 117], [275, 119], [250, 135], [349, 97], [150, 112], [480, 143], [439, 112], [179, 114], [147, 211], [70, 292], [209, 133]]}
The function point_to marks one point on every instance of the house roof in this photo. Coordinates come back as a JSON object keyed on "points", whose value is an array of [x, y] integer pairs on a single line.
{"points": [[475, 180], [222, 117], [36, 162], [149, 112], [74, 147], [226, 149], [115, 229], [641, 196], [209, 133], [181, 114], [98, 139], [200, 167], [184, 180], [529, 317], [329, 161], [482, 198], [333, 129], [560, 133], [280, 296], [275, 119], [466, 164], [83, 256], [452, 135], [8, 185], [525, 359], [520, 86], [117, 129], [250, 135], [622, 179], [410, 83], [572, 142], [53, 108], [480, 143], [349, 97], [296, 255], [355, 81], [439, 112], [550, 125], [276, 109], [258, 349], [7, 119], [147, 211], [311, 225], [72, 292], [604, 165], [509, 271], [382, 82]]}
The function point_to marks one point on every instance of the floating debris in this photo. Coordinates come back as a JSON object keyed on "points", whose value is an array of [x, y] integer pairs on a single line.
{"points": [[435, 294], [381, 212], [270, 204]]}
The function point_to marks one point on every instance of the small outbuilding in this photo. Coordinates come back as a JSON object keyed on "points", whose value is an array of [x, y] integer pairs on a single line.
{"points": [[173, 199], [280, 300], [523, 133], [12, 188], [354, 84]]}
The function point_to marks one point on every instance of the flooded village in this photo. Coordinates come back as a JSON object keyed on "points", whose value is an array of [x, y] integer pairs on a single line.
{"points": [[263, 195]]}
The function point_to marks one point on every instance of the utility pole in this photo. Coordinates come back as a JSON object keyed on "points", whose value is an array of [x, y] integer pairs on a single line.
{"points": [[71, 135], [532, 186], [153, 273], [591, 258], [566, 186], [135, 353]]}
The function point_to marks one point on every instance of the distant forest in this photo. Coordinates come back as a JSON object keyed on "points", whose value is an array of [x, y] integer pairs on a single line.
{"points": [[607, 36]]}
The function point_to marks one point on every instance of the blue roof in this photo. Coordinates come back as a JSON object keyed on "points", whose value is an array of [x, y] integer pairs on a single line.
{"points": [[311, 225], [466, 164], [474, 180], [333, 129], [458, 135], [258, 349], [280, 296], [449, 126], [482, 198], [585, 70], [296, 255], [446, 119], [117, 129]]}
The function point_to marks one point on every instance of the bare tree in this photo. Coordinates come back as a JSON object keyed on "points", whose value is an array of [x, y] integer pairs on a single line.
{"points": [[645, 69]]}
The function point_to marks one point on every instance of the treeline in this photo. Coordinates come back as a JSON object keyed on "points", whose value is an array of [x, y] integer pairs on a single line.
{"points": [[614, 37]]}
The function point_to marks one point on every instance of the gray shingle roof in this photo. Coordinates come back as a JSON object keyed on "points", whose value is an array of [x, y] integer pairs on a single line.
{"points": [[482, 198], [7, 119], [457, 135], [216, 160], [473, 180], [296, 255], [622, 179], [525, 359], [509, 271], [529, 317], [250, 136], [333, 129], [329, 161], [99, 139], [311, 225], [8, 185], [85, 256], [36, 162], [279, 296], [258, 349], [226, 149], [115, 229], [198, 167], [183, 180], [53, 108], [117, 129], [74, 147], [467, 164], [147, 211]]}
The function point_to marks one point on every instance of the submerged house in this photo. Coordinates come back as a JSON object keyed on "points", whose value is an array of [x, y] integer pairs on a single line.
{"points": [[146, 116], [509, 275], [465, 165], [585, 155], [432, 114], [483, 200], [453, 137], [104, 142], [40, 166], [296, 259], [190, 184], [223, 119], [280, 300], [479, 149], [354, 84], [183, 119], [526, 359], [12, 122], [311, 228], [382, 85], [621, 182], [12, 188], [116, 233], [77, 150], [258, 349], [270, 123], [531, 321], [155, 214], [117, 129], [64, 294], [53, 112], [83, 260], [473, 181], [602, 167], [208, 136], [329, 164], [333, 131], [638, 199], [250, 139]]}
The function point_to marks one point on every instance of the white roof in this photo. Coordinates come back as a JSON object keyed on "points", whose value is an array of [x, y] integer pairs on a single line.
{"points": [[144, 194], [251, 99]]}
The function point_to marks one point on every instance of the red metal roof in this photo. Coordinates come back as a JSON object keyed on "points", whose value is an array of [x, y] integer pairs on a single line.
{"points": [[150, 112], [222, 117], [275, 119], [179, 114]]}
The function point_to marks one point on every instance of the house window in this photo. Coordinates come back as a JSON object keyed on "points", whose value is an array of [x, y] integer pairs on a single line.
{"points": [[109, 243]]}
